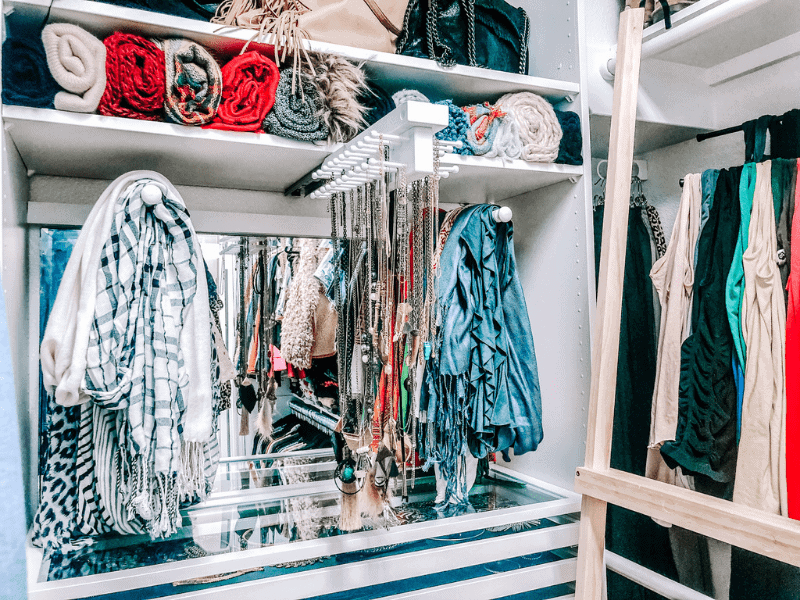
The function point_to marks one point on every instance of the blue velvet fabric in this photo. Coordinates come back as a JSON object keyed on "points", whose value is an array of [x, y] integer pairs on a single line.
{"points": [[481, 387]]}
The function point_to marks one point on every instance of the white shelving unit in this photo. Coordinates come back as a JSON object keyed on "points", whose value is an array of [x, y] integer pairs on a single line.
{"points": [[395, 72], [693, 74], [56, 164], [59, 143]]}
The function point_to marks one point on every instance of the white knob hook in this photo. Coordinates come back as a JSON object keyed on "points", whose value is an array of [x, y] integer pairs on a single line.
{"points": [[502, 215], [151, 194]]}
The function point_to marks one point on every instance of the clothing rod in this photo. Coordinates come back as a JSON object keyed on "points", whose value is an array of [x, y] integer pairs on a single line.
{"points": [[664, 586], [701, 137]]}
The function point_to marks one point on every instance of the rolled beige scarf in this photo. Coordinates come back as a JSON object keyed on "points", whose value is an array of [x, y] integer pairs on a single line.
{"points": [[539, 129], [77, 61]]}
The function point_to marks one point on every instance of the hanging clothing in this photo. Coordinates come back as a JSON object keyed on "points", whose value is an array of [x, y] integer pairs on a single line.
{"points": [[708, 184], [761, 468], [673, 277], [793, 372], [784, 134], [705, 442], [734, 288], [632, 535], [784, 181], [481, 391]]}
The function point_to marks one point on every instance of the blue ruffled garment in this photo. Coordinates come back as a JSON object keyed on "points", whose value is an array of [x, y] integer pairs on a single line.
{"points": [[481, 388]]}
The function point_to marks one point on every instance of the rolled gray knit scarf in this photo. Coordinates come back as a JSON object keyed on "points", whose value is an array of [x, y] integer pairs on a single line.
{"points": [[299, 116]]}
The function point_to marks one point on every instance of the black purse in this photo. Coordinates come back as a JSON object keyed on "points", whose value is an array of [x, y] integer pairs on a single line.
{"points": [[478, 33]]}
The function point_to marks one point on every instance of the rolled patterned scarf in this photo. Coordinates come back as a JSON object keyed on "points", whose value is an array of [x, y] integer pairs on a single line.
{"points": [[457, 127], [539, 128], [26, 79], [484, 121], [507, 143], [77, 61], [297, 116], [249, 82], [135, 78], [193, 83]]}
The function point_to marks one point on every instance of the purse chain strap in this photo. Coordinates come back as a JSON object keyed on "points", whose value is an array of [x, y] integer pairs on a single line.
{"points": [[446, 58]]}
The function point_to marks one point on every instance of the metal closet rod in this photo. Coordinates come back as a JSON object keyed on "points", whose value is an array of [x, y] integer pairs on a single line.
{"points": [[701, 137]]}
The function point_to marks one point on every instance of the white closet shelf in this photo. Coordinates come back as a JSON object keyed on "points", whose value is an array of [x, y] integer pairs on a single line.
{"points": [[726, 38], [394, 72], [482, 179], [59, 143], [53, 142]]}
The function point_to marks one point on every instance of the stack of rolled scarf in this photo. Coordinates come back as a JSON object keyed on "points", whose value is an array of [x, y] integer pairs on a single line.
{"points": [[492, 132], [457, 127], [249, 82], [77, 61], [341, 84], [404, 96], [297, 116], [377, 102], [539, 128], [26, 79], [570, 151], [193, 83], [135, 78]]}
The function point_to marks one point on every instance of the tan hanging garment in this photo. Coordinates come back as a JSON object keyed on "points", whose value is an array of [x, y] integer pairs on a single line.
{"points": [[761, 465], [673, 278]]}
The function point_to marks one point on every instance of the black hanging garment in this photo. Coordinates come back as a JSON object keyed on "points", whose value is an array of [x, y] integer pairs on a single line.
{"points": [[633, 535], [705, 443]]}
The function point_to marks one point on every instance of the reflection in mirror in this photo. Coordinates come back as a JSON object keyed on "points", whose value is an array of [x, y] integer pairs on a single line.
{"points": [[271, 300]]}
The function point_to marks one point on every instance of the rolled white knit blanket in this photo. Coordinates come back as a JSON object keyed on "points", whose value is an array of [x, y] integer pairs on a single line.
{"points": [[77, 61], [539, 129]]}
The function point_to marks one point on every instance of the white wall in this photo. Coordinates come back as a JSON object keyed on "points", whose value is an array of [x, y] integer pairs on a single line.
{"points": [[550, 242]]}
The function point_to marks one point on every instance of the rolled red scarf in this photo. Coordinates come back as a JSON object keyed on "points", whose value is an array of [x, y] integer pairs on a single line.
{"points": [[249, 82], [135, 78]]}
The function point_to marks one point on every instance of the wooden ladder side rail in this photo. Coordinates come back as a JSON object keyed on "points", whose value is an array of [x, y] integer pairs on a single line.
{"points": [[591, 569]]}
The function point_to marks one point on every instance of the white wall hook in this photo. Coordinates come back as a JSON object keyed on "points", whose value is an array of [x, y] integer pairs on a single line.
{"points": [[502, 214]]}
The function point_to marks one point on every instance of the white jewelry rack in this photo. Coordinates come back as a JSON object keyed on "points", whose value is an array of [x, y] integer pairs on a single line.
{"points": [[408, 132]]}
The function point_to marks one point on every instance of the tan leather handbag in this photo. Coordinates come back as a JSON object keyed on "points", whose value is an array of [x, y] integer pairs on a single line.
{"points": [[368, 24]]}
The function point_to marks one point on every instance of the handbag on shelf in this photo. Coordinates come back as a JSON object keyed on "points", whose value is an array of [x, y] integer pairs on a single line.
{"points": [[654, 10], [368, 24], [478, 33]]}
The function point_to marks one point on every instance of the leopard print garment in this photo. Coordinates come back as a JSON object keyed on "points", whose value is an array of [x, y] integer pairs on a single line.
{"points": [[54, 523]]}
